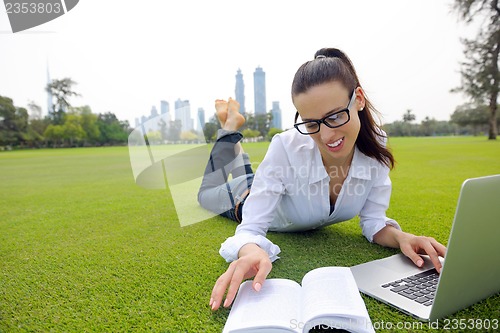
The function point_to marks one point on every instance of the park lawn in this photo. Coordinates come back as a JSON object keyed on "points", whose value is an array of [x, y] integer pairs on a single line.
{"points": [[84, 249]]}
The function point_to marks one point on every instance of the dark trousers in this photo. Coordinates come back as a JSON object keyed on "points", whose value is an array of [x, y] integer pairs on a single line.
{"points": [[218, 193]]}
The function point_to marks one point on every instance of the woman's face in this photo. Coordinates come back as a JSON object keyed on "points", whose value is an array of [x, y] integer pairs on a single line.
{"points": [[335, 144]]}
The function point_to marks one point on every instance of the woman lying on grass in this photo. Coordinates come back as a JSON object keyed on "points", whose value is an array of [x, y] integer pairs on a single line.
{"points": [[332, 166]]}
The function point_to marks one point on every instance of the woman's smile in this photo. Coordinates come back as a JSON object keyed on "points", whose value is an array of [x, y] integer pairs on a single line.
{"points": [[336, 145]]}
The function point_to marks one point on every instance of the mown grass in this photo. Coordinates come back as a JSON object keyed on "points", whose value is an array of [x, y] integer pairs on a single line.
{"points": [[84, 249]]}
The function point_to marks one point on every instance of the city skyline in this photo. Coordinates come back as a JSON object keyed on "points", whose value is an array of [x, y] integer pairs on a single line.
{"points": [[402, 63], [183, 109]]}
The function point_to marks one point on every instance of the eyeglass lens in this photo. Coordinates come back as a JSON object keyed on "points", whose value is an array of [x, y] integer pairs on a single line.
{"points": [[334, 120]]}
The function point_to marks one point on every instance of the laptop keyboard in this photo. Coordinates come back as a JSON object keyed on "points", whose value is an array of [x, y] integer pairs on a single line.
{"points": [[419, 287]]}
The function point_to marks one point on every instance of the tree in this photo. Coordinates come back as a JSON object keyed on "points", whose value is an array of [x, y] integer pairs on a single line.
{"points": [[36, 128], [13, 123], [473, 116], [272, 132], [210, 131], [250, 133], [408, 117], [259, 122], [35, 110], [428, 126], [174, 130], [163, 129], [60, 90], [154, 137], [54, 133], [188, 136], [72, 129], [112, 130], [396, 128], [88, 122], [480, 76]]}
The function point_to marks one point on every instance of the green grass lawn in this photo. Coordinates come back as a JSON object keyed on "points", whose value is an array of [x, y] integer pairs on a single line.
{"points": [[84, 249]]}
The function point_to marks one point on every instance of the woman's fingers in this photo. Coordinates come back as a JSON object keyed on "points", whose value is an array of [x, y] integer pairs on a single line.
{"points": [[234, 284], [264, 268], [424, 245], [254, 263], [218, 292], [221, 285]]}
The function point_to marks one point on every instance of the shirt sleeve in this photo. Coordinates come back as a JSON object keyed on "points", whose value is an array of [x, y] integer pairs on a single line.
{"points": [[373, 214], [260, 206], [231, 247]]}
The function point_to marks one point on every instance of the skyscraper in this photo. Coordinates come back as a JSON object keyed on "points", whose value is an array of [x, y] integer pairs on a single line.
{"points": [[201, 119], [165, 110], [259, 88], [239, 91], [154, 112], [183, 113], [276, 113]]}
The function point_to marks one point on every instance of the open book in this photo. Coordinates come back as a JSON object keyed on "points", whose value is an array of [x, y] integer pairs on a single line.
{"points": [[328, 298]]}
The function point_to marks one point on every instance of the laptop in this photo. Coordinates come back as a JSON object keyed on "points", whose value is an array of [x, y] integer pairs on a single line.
{"points": [[468, 275]]}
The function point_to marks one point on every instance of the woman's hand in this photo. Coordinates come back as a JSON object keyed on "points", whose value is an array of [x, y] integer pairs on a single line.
{"points": [[252, 261], [412, 245]]}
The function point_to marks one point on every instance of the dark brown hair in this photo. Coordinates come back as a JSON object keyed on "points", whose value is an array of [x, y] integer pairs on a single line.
{"points": [[329, 65]]}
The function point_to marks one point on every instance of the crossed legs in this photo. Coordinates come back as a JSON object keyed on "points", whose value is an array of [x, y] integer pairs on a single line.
{"points": [[217, 192]]}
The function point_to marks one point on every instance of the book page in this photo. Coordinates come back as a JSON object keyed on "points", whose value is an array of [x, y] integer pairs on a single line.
{"points": [[275, 305], [330, 292]]}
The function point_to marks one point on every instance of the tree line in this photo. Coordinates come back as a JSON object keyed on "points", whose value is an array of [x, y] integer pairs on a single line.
{"points": [[80, 127], [64, 126], [467, 119]]}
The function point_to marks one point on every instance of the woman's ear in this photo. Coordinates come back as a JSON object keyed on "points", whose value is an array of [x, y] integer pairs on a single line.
{"points": [[360, 99]]}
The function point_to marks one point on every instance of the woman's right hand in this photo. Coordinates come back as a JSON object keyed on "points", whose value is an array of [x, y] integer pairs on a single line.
{"points": [[252, 261]]}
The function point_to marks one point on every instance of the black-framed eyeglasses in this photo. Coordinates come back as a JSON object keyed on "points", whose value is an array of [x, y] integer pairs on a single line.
{"points": [[332, 120]]}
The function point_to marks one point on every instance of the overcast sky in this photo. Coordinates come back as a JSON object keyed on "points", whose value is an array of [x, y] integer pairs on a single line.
{"points": [[126, 56]]}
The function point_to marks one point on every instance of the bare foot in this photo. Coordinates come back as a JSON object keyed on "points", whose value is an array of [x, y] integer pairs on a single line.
{"points": [[234, 118], [221, 111]]}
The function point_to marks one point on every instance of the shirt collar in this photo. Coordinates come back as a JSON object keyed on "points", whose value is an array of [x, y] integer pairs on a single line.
{"points": [[360, 167]]}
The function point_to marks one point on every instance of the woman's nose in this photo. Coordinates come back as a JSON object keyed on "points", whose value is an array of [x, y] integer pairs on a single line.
{"points": [[326, 132]]}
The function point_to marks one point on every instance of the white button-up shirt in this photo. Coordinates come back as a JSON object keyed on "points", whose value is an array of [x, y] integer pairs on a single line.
{"points": [[290, 192]]}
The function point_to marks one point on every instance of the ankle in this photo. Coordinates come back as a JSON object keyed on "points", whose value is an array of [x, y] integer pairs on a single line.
{"points": [[231, 125]]}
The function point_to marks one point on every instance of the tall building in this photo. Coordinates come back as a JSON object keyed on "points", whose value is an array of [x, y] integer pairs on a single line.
{"points": [[183, 113], [165, 110], [276, 113], [259, 90], [154, 112], [239, 91], [201, 118]]}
